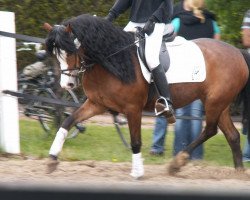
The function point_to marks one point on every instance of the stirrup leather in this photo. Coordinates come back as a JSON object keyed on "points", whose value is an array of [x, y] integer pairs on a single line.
{"points": [[165, 103]]}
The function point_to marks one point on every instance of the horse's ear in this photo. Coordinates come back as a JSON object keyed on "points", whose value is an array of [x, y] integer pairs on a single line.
{"points": [[47, 27], [68, 28]]}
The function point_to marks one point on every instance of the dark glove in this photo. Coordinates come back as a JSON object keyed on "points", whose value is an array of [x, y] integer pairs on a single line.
{"points": [[149, 27], [110, 17]]}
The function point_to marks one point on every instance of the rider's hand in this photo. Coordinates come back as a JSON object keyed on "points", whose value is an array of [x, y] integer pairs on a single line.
{"points": [[149, 27], [110, 17]]}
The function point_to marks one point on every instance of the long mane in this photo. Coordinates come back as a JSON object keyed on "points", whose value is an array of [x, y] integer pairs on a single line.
{"points": [[99, 39]]}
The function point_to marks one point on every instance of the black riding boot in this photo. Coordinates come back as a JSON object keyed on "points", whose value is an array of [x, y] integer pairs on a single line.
{"points": [[163, 105]]}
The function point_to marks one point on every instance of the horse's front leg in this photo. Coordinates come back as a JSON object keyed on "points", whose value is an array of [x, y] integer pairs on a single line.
{"points": [[87, 110], [134, 122]]}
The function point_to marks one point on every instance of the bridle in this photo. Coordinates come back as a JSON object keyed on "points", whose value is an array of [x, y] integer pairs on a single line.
{"points": [[80, 67]]}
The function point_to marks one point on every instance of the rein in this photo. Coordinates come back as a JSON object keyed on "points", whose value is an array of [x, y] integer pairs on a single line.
{"points": [[126, 47]]}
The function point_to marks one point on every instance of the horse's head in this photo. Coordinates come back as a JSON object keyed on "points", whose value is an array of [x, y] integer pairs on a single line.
{"points": [[93, 40], [64, 46]]}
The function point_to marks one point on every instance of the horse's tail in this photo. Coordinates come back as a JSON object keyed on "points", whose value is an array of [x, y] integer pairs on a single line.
{"points": [[245, 98]]}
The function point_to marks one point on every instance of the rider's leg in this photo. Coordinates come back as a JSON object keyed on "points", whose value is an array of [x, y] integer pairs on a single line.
{"points": [[152, 50], [163, 105]]}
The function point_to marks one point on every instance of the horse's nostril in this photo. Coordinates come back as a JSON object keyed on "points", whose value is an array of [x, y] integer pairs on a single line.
{"points": [[71, 85]]}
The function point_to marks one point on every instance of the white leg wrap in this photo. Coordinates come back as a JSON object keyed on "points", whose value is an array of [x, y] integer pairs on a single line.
{"points": [[137, 166], [57, 145]]}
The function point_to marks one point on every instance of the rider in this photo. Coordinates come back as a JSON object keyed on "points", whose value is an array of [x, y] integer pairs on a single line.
{"points": [[152, 16]]}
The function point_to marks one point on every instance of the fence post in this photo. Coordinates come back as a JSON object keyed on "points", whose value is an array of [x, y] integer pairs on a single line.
{"points": [[9, 115]]}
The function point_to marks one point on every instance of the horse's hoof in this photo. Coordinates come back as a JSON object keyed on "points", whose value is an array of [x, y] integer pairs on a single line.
{"points": [[179, 161], [240, 170], [173, 169], [52, 165], [137, 175]]}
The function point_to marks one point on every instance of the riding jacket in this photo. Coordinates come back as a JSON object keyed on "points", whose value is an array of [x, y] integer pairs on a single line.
{"points": [[143, 10]]}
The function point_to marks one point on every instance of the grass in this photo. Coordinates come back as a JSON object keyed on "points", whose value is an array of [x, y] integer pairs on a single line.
{"points": [[103, 143]]}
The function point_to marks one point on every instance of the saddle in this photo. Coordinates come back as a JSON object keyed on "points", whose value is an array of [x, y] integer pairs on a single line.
{"points": [[163, 56]]}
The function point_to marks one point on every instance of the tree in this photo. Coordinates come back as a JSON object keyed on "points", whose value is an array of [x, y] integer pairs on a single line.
{"points": [[230, 15], [31, 14]]}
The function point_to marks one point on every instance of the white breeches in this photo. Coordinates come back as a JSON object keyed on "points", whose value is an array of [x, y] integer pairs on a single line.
{"points": [[153, 42]]}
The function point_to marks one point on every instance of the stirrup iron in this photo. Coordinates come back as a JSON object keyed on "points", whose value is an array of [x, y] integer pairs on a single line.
{"points": [[165, 103]]}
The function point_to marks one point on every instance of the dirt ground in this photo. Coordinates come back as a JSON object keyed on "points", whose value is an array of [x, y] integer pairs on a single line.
{"points": [[193, 177]]}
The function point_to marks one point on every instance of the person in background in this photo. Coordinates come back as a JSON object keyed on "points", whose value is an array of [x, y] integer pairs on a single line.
{"points": [[151, 16], [191, 20], [246, 43]]}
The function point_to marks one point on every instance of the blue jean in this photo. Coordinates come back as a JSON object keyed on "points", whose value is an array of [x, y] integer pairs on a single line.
{"points": [[159, 135], [186, 130], [246, 149]]}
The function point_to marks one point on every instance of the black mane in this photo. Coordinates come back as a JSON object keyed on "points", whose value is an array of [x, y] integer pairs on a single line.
{"points": [[99, 39]]}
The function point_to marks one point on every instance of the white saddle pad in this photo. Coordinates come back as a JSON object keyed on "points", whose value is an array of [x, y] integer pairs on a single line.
{"points": [[187, 63]]}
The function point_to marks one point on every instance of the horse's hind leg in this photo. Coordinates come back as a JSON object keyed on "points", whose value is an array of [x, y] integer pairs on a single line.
{"points": [[212, 117], [87, 110], [233, 137]]}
